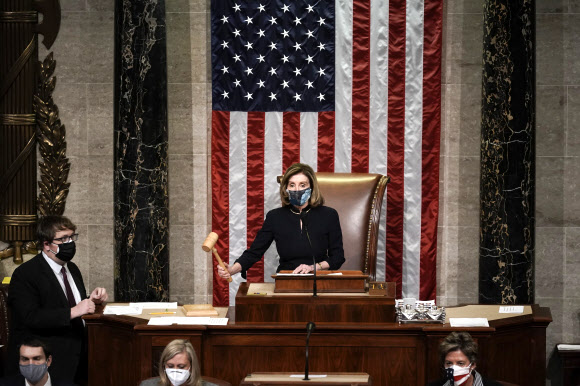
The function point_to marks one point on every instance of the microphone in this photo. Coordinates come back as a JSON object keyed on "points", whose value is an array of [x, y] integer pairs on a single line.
{"points": [[449, 374], [310, 326], [304, 219]]}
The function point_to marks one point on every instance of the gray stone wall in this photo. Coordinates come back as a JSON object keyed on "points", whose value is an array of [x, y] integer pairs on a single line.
{"points": [[558, 166]]}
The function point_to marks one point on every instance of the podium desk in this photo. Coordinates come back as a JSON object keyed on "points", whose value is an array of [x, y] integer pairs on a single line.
{"points": [[512, 349], [326, 282], [263, 305], [315, 379], [570, 366]]}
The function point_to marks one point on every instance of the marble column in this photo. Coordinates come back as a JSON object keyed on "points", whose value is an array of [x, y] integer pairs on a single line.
{"points": [[507, 189], [141, 186]]}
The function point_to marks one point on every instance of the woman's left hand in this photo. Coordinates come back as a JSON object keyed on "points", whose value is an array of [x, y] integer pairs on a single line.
{"points": [[303, 268]]}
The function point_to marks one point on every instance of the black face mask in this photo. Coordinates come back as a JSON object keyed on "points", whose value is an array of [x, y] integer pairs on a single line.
{"points": [[66, 251]]}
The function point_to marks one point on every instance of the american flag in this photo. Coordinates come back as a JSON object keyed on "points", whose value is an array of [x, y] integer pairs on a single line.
{"points": [[344, 86]]}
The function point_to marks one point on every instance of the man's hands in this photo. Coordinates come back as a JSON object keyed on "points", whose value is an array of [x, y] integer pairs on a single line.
{"points": [[99, 295], [84, 307], [87, 306]]}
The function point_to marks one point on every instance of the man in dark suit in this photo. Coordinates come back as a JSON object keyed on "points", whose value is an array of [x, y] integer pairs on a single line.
{"points": [[35, 360], [47, 298]]}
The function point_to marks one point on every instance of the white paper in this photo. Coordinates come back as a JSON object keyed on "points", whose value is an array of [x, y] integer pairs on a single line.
{"points": [[425, 303], [123, 310], [167, 321], [155, 305], [309, 274], [218, 322], [410, 301], [187, 320], [468, 322], [309, 375], [511, 309], [294, 274], [569, 347]]}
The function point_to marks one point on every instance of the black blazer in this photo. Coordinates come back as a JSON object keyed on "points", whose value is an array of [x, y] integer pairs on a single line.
{"points": [[39, 308], [18, 380]]}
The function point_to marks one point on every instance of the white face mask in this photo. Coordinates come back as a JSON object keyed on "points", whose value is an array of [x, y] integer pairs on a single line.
{"points": [[460, 374], [177, 377]]}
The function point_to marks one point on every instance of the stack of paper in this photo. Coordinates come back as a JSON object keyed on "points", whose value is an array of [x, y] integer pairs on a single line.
{"points": [[123, 310], [199, 310], [188, 320]]}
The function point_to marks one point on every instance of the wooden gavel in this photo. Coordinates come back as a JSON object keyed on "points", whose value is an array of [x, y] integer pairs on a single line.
{"points": [[209, 245]]}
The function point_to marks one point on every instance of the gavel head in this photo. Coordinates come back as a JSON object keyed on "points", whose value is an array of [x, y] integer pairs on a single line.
{"points": [[209, 242]]}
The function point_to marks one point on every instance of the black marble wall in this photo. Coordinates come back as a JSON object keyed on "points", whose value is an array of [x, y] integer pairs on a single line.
{"points": [[141, 187], [507, 189]]}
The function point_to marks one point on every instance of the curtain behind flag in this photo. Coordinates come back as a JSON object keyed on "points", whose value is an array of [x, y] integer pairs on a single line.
{"points": [[344, 86]]}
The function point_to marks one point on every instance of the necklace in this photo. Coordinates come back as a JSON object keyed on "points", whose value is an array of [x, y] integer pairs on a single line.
{"points": [[295, 211]]}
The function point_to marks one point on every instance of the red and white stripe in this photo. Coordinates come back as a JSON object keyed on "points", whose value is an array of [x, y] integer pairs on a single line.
{"points": [[386, 120]]}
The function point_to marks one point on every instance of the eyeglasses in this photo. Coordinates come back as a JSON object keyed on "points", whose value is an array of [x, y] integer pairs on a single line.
{"points": [[67, 239]]}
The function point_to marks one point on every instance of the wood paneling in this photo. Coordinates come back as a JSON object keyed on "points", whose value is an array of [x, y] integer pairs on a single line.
{"points": [[511, 349]]}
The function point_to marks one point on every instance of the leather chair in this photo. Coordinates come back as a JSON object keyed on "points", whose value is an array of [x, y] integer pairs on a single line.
{"points": [[358, 198]]}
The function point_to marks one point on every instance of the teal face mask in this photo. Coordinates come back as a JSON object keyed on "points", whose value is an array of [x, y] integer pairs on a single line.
{"points": [[299, 197]]}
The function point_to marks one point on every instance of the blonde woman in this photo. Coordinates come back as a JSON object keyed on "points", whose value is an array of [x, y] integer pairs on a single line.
{"points": [[178, 366], [301, 202]]}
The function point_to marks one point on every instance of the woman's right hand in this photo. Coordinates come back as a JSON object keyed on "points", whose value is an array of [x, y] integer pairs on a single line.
{"points": [[224, 273]]}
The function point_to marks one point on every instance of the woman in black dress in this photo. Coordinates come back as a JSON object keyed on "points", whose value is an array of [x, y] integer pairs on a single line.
{"points": [[302, 204]]}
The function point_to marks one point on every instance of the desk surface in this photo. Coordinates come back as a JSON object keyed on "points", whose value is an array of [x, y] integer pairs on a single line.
{"points": [[491, 312], [512, 348]]}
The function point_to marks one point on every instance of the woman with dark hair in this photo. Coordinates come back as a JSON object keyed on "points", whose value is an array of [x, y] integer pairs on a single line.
{"points": [[458, 355], [301, 201], [178, 366]]}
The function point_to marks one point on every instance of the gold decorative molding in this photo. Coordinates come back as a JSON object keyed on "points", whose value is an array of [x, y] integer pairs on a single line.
{"points": [[19, 30], [13, 72], [18, 119], [17, 249], [15, 166], [17, 219], [51, 133], [19, 17]]}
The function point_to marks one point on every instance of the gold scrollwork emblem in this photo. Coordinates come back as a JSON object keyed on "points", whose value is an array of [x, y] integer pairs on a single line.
{"points": [[55, 166]]}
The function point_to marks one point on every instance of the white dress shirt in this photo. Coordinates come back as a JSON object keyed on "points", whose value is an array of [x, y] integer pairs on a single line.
{"points": [[56, 269], [48, 382]]}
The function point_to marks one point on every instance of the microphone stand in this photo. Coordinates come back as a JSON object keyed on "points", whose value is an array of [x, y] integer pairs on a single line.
{"points": [[310, 326], [304, 218]]}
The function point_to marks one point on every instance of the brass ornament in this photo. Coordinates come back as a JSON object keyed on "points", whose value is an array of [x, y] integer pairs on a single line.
{"points": [[17, 249], [18, 119], [19, 17], [51, 133], [19, 30]]}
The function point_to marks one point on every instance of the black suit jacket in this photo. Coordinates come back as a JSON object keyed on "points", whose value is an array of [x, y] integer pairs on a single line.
{"points": [[18, 380], [39, 308]]}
